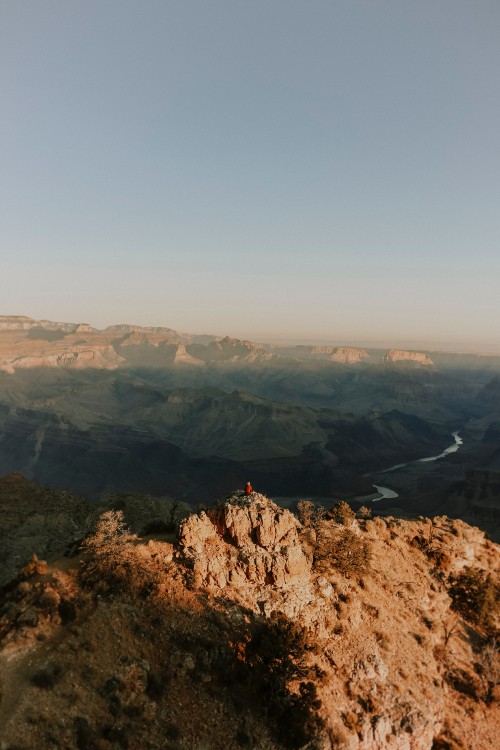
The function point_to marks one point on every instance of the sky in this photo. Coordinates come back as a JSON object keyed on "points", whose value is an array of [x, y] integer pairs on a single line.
{"points": [[276, 169]]}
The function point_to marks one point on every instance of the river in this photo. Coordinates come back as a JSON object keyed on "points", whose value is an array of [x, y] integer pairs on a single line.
{"points": [[387, 494]]}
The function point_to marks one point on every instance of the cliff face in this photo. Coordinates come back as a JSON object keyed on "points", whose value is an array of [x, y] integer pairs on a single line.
{"points": [[27, 343], [254, 630], [348, 355], [24, 323], [397, 355]]}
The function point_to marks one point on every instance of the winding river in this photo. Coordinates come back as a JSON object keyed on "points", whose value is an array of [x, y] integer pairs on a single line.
{"points": [[386, 493]]}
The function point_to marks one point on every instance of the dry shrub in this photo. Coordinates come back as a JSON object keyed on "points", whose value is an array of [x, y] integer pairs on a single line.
{"points": [[274, 654], [310, 515], [112, 560], [342, 550], [476, 595], [342, 513], [488, 668], [350, 555], [364, 512]]}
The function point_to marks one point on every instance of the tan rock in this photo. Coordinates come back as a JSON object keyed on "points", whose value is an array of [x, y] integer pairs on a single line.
{"points": [[398, 355], [349, 355], [245, 539]]}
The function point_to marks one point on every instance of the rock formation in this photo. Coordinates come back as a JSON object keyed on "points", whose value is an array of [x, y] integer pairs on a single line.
{"points": [[244, 540], [24, 323], [349, 355], [398, 355]]}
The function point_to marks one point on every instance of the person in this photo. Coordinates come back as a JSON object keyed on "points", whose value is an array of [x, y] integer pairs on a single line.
{"points": [[248, 489]]}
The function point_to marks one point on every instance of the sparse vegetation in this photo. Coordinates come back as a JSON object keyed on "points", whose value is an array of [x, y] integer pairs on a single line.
{"points": [[364, 512], [345, 552], [450, 628]]}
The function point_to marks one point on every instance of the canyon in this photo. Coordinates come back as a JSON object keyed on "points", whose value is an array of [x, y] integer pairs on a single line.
{"points": [[148, 409]]}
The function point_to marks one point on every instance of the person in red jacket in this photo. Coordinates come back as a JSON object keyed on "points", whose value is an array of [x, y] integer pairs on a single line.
{"points": [[248, 489]]}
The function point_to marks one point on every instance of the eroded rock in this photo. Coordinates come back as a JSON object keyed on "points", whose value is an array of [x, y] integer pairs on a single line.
{"points": [[244, 539]]}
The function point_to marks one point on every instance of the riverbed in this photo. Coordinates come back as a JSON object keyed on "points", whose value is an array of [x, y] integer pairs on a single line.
{"points": [[388, 493]]}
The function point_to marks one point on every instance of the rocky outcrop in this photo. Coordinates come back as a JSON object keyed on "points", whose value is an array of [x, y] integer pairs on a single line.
{"points": [[124, 328], [286, 632], [399, 355], [182, 356], [235, 350], [83, 328], [244, 540], [16, 323], [75, 358], [379, 637], [349, 355]]}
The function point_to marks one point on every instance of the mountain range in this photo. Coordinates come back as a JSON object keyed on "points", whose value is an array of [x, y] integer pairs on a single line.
{"points": [[149, 409]]}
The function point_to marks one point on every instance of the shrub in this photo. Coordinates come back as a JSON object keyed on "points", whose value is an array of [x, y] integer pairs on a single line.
{"points": [[309, 513], [111, 533], [342, 513], [275, 652], [489, 668], [47, 676], [350, 554], [112, 558], [364, 512], [475, 595]]}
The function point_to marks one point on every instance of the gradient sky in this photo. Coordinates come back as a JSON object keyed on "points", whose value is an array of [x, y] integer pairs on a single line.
{"points": [[313, 169]]}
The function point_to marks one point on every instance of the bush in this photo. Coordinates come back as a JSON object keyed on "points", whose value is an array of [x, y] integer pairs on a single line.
{"points": [[112, 558], [475, 595], [351, 555], [342, 513], [47, 676], [489, 668], [364, 512], [310, 515], [275, 652], [346, 552]]}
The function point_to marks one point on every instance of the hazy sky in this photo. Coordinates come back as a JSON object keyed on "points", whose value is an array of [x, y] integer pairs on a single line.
{"points": [[269, 168]]}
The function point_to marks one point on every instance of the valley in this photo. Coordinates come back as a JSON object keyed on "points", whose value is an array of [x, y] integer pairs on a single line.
{"points": [[136, 409]]}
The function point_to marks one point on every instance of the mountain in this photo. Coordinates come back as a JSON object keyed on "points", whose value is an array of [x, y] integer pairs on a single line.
{"points": [[251, 628], [149, 409], [100, 431]]}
